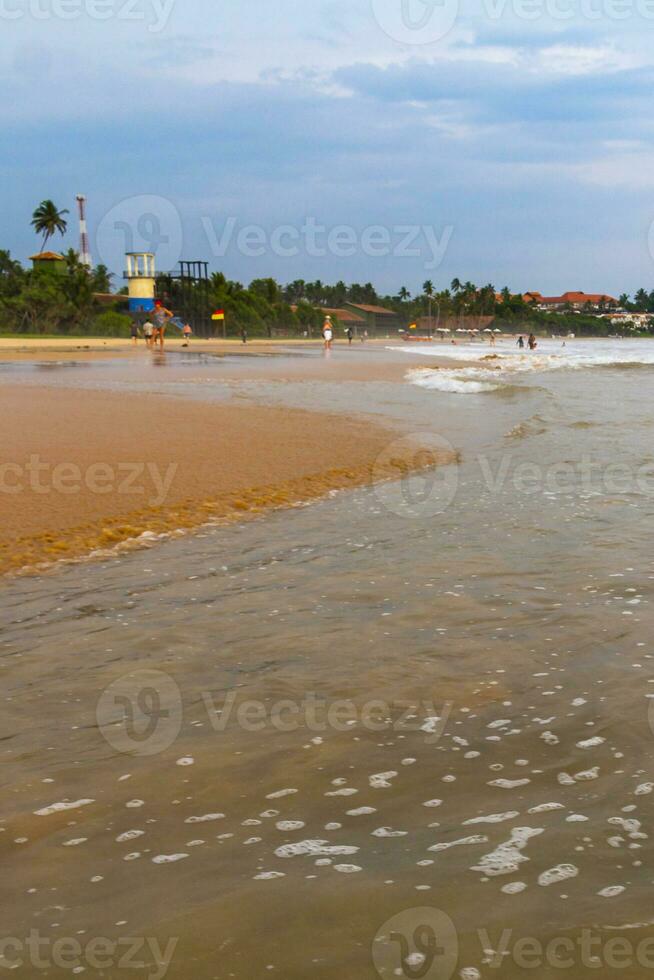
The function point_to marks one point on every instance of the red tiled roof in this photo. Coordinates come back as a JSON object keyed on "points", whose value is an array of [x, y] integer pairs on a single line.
{"points": [[373, 309], [578, 297], [47, 255], [345, 316]]}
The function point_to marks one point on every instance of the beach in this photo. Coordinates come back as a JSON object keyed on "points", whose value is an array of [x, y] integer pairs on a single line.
{"points": [[85, 470], [418, 706]]}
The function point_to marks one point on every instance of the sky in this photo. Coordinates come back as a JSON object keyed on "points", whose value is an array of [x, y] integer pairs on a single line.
{"points": [[390, 141]]}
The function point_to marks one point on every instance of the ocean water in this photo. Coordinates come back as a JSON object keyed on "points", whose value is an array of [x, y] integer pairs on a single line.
{"points": [[403, 732]]}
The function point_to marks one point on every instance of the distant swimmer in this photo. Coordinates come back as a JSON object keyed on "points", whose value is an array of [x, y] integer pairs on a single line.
{"points": [[521, 342], [533, 343], [328, 332]]}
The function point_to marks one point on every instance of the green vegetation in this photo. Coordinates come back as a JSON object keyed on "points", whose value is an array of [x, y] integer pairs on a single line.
{"points": [[48, 219], [67, 301], [38, 301]]}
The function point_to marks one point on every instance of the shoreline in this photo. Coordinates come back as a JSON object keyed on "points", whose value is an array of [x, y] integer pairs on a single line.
{"points": [[86, 471]]}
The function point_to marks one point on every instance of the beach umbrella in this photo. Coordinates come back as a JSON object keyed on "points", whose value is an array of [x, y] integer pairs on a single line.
{"points": [[497, 330], [488, 330]]}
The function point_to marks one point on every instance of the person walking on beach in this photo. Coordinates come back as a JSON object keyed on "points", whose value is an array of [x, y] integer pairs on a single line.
{"points": [[350, 335], [521, 342], [134, 331], [533, 343], [328, 332], [148, 332], [161, 317], [244, 335], [186, 333]]}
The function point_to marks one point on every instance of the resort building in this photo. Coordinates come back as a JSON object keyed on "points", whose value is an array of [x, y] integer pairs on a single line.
{"points": [[346, 318], [579, 301], [377, 319]]}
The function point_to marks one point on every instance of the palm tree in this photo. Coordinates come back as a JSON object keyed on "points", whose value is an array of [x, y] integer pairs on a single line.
{"points": [[641, 299], [403, 294], [428, 290], [102, 279], [47, 219], [456, 285]]}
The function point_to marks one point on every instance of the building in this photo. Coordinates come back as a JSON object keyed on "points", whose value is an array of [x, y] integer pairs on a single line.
{"points": [[50, 261], [579, 301], [377, 319], [141, 281], [346, 318]]}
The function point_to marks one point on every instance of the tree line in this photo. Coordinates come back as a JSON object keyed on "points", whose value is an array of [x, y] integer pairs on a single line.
{"points": [[37, 301]]}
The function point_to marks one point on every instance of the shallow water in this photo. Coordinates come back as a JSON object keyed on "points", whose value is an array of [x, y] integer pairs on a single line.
{"points": [[242, 701]]}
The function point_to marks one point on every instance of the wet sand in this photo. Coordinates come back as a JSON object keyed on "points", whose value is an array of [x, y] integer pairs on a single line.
{"points": [[86, 470], [280, 747]]}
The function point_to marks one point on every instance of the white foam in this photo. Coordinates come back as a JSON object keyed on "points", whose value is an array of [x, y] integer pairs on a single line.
{"points": [[612, 891], [477, 839], [316, 848], [207, 818], [560, 873], [129, 835], [168, 858], [509, 783], [590, 743], [507, 857], [493, 818], [61, 807], [381, 780], [546, 807]]}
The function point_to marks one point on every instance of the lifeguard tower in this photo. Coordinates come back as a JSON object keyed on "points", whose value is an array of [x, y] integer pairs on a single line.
{"points": [[140, 275]]}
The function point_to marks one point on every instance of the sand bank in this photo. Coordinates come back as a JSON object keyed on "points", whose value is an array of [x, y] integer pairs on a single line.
{"points": [[86, 470]]}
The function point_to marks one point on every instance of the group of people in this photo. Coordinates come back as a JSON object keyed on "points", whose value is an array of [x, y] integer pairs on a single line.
{"points": [[532, 343], [154, 329], [328, 333]]}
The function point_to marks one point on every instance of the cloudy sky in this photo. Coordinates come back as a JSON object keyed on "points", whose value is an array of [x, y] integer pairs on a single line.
{"points": [[503, 141]]}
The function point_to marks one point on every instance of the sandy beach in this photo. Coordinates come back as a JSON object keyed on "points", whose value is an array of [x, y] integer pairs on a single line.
{"points": [[86, 470], [408, 695]]}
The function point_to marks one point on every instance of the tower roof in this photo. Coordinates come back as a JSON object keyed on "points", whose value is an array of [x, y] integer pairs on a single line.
{"points": [[48, 257]]}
